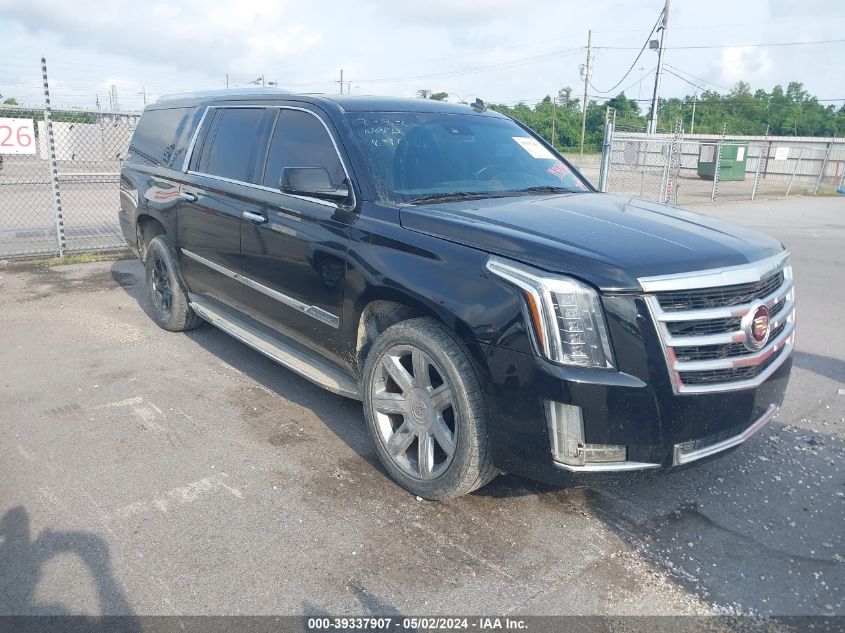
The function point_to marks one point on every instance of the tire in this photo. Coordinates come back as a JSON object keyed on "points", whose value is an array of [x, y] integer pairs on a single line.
{"points": [[168, 295], [425, 412]]}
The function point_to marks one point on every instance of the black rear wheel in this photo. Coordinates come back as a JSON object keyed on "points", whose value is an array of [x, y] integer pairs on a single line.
{"points": [[167, 293]]}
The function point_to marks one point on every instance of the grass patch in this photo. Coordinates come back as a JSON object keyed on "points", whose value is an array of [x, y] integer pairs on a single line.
{"points": [[76, 258], [72, 258]]}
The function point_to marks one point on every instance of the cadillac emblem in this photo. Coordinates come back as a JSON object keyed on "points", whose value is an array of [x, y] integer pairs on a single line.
{"points": [[755, 324]]}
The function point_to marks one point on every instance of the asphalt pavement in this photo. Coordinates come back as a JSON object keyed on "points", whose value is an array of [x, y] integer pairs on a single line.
{"points": [[145, 472]]}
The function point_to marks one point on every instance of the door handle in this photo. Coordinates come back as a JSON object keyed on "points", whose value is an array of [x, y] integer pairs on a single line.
{"points": [[255, 218], [187, 196]]}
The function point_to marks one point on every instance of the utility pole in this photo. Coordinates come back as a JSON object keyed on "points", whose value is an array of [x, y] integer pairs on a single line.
{"points": [[143, 94], [652, 124], [341, 81], [554, 116], [587, 81], [694, 101], [227, 81]]}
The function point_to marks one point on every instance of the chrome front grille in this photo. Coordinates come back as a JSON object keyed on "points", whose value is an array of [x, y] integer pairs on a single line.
{"points": [[720, 297], [704, 323]]}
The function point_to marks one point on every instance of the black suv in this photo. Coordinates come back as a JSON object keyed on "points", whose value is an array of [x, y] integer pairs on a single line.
{"points": [[446, 266]]}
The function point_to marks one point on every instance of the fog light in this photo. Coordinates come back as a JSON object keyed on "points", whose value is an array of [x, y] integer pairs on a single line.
{"points": [[566, 430]]}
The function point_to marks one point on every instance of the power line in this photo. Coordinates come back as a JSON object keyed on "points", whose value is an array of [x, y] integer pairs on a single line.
{"points": [[636, 59], [688, 74], [702, 46], [672, 72], [722, 99], [641, 79], [700, 27]]}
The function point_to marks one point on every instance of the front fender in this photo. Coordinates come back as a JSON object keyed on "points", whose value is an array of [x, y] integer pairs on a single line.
{"points": [[435, 277]]}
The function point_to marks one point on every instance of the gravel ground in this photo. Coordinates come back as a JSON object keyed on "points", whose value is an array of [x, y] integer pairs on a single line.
{"points": [[154, 473]]}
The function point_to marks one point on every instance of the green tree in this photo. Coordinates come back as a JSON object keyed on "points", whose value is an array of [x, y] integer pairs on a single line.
{"points": [[429, 94], [783, 112]]}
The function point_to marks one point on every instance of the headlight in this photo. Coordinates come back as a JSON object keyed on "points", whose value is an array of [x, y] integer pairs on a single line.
{"points": [[567, 316]]}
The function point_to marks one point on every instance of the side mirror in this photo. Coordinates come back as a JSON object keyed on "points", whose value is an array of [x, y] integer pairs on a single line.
{"points": [[311, 181]]}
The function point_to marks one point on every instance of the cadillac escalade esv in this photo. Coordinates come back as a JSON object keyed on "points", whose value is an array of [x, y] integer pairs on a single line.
{"points": [[447, 267]]}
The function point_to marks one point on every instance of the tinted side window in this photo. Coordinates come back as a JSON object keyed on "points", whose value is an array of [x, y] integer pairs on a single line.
{"points": [[229, 152], [162, 136], [300, 140]]}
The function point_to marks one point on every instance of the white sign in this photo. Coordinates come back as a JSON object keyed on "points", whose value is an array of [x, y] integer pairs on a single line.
{"points": [[17, 136], [533, 147], [740, 152], [781, 153]]}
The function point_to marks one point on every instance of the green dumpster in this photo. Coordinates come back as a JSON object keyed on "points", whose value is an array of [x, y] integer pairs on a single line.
{"points": [[732, 167]]}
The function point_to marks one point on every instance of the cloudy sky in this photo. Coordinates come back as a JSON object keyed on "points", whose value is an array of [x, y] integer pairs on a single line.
{"points": [[499, 50]]}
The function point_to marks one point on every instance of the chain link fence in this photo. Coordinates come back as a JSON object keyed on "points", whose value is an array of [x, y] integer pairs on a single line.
{"points": [[60, 192], [679, 169]]}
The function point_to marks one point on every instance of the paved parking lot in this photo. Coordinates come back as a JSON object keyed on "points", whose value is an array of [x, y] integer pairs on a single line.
{"points": [[154, 473]]}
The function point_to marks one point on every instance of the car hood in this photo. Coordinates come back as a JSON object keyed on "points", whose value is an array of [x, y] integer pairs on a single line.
{"points": [[607, 240]]}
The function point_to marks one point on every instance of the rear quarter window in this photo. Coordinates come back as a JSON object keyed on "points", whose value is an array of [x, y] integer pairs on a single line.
{"points": [[162, 137]]}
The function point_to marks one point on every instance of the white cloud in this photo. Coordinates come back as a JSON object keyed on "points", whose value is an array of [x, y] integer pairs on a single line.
{"points": [[173, 45], [744, 63], [193, 34], [451, 13]]}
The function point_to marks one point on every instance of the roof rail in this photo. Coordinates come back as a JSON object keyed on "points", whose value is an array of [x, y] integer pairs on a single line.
{"points": [[222, 92]]}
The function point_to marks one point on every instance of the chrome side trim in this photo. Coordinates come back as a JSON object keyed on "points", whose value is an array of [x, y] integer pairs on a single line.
{"points": [[607, 467], [680, 457], [252, 185], [715, 277], [190, 152], [313, 311]]}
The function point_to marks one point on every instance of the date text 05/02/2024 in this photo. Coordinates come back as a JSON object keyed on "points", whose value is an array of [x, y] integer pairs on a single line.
{"points": [[423, 623]]}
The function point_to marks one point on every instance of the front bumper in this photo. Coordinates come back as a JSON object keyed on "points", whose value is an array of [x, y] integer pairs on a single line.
{"points": [[659, 428], [688, 452]]}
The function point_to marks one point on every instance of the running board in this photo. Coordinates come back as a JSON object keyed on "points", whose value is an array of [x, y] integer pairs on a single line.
{"points": [[285, 352]]}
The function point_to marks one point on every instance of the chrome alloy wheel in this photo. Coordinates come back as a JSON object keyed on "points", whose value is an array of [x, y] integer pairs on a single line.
{"points": [[415, 413]]}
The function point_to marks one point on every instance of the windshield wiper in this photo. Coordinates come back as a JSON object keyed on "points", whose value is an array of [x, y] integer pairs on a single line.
{"points": [[457, 195], [548, 189]]}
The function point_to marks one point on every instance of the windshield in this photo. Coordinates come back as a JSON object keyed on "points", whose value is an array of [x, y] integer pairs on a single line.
{"points": [[424, 157]]}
